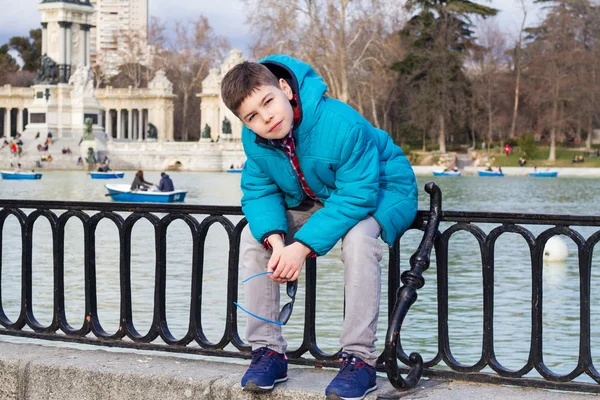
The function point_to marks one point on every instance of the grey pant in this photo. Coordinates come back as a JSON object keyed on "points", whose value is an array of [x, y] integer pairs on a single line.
{"points": [[361, 254]]}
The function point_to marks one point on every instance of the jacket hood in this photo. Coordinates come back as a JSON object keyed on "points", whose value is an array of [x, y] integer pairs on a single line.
{"points": [[305, 83]]}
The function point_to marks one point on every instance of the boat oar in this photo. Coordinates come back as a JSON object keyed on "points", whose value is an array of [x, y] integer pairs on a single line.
{"points": [[112, 194]]}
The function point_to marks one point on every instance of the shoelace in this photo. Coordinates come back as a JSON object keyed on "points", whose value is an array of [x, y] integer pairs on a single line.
{"points": [[349, 367], [259, 361]]}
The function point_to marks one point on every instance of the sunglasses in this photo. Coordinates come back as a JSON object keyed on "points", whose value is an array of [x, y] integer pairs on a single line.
{"points": [[286, 310]]}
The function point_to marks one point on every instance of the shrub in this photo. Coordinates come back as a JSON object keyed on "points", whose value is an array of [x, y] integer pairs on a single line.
{"points": [[528, 147]]}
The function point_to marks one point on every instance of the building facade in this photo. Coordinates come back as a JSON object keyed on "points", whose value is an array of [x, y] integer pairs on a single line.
{"points": [[121, 30]]}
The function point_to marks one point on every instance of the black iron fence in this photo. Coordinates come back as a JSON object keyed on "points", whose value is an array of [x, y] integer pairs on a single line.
{"points": [[159, 336]]}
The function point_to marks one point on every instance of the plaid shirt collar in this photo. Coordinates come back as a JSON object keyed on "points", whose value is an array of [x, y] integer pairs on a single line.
{"points": [[288, 145]]}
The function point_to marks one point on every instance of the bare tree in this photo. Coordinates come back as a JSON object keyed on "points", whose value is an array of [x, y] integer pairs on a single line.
{"points": [[488, 62], [517, 61], [134, 52], [187, 59], [341, 39], [556, 52]]}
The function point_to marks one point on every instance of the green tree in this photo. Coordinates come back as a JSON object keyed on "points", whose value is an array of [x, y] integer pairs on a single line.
{"points": [[437, 37], [8, 65], [7, 62], [29, 49]]}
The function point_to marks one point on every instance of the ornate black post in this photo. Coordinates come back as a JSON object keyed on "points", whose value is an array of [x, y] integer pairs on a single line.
{"points": [[405, 296]]}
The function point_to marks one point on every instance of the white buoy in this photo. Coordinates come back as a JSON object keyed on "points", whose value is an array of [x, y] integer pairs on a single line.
{"points": [[555, 250]]}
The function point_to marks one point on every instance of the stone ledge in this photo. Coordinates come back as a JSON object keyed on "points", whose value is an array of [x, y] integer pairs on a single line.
{"points": [[29, 371]]}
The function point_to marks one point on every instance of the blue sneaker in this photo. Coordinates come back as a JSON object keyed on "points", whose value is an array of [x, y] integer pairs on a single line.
{"points": [[354, 380], [267, 368]]}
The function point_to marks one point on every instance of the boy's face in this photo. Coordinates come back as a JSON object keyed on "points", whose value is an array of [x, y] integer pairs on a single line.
{"points": [[268, 112]]}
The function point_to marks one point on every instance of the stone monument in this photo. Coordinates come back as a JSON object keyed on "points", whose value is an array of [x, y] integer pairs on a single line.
{"points": [[64, 90], [212, 109]]}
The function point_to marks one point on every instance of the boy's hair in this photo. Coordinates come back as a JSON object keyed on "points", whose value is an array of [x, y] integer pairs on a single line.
{"points": [[242, 80]]}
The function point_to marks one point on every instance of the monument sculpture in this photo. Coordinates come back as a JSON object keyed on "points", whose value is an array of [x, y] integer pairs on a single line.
{"points": [[206, 132], [226, 126], [90, 159], [88, 135], [82, 81], [48, 71], [152, 131]]}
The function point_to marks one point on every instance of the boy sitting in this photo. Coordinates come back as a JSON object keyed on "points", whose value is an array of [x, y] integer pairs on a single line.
{"points": [[316, 172]]}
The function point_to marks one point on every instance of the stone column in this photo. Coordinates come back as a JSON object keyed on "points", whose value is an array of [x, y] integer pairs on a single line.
{"points": [[44, 38], [119, 124], [109, 131], [140, 124], [20, 121], [69, 46], [62, 58], [130, 124], [7, 122], [82, 46], [85, 44], [133, 134]]}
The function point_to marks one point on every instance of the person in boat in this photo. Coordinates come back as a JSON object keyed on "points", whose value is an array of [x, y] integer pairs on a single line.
{"points": [[139, 183], [105, 165], [165, 184], [499, 169]]}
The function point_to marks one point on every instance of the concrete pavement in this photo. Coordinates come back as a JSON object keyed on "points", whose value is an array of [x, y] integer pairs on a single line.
{"points": [[29, 371]]}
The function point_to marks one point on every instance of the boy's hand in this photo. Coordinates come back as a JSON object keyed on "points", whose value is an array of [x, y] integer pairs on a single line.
{"points": [[287, 263]]}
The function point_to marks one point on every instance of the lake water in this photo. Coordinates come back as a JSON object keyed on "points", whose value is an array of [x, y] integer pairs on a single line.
{"points": [[512, 287]]}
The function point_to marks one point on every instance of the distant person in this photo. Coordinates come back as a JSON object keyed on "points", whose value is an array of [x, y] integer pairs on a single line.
{"points": [[37, 135], [165, 184], [105, 165], [139, 183]]}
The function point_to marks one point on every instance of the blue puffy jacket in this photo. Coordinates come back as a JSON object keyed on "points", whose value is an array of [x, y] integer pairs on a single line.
{"points": [[353, 168]]}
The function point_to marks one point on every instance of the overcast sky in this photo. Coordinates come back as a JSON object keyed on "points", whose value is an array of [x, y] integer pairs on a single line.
{"points": [[229, 21]]}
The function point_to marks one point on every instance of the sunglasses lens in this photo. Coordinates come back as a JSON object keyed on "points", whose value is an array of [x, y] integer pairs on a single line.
{"points": [[286, 313], [292, 288]]}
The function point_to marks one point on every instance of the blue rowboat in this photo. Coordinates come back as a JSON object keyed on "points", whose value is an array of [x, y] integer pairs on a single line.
{"points": [[446, 173], [20, 175], [107, 175], [122, 193], [234, 170], [544, 174], [489, 173]]}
